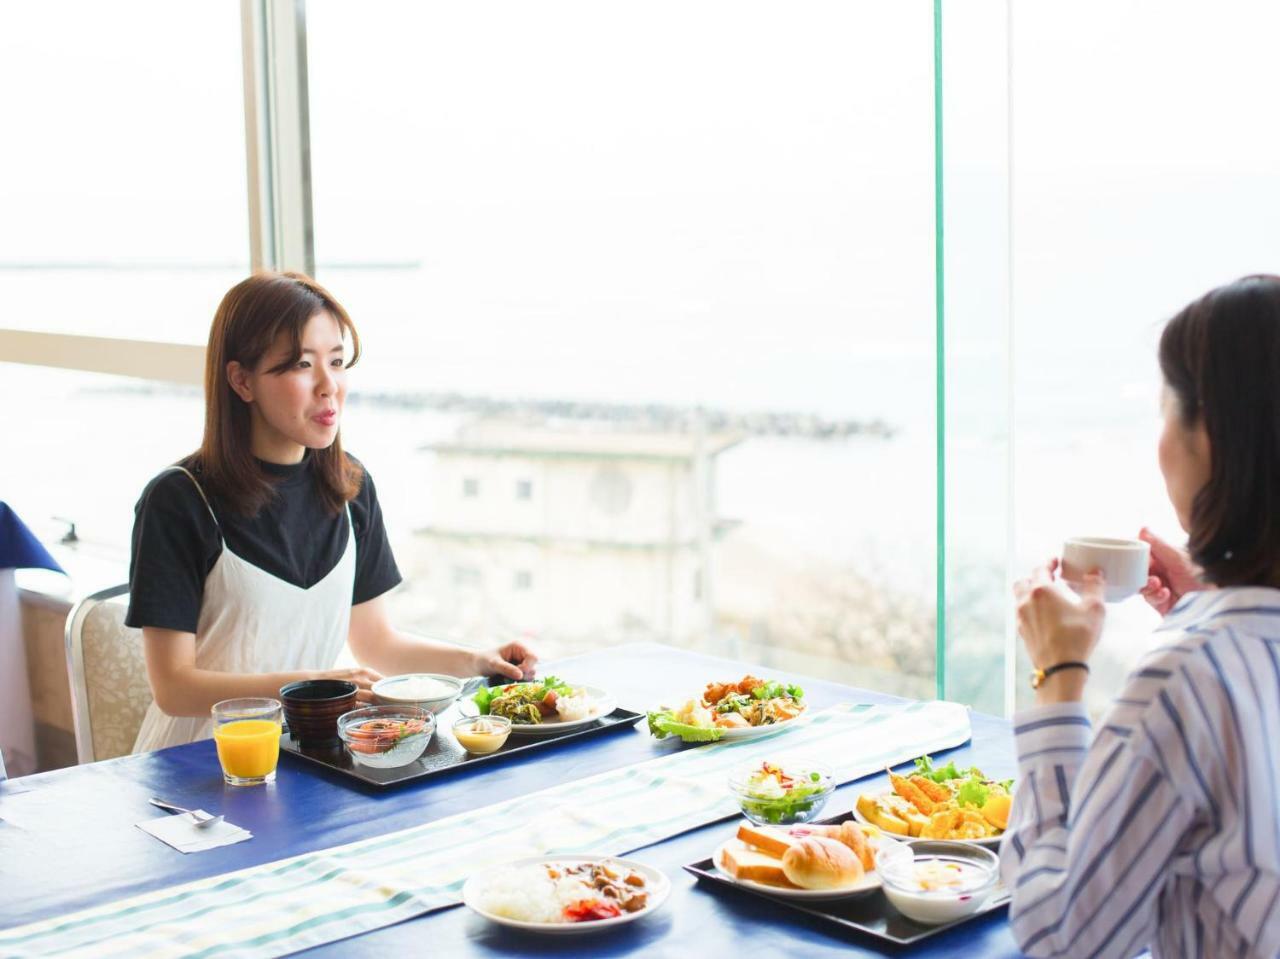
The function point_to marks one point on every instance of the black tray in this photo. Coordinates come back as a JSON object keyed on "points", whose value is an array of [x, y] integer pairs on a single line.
{"points": [[870, 915], [443, 754]]}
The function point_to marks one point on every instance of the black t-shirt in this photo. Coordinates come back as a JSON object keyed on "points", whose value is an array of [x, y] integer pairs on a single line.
{"points": [[294, 537]]}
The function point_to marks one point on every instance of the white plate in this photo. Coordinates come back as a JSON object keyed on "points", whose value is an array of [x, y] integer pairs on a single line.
{"points": [[755, 732], [869, 882], [989, 842], [604, 702], [657, 884]]}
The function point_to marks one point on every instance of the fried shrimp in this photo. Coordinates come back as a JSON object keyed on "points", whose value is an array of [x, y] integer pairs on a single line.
{"points": [[911, 793], [935, 791]]}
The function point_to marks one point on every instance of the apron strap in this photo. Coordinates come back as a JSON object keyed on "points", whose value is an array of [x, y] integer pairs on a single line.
{"points": [[199, 490]]}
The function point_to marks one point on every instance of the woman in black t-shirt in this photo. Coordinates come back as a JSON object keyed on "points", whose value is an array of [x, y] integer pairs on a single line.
{"points": [[258, 556]]}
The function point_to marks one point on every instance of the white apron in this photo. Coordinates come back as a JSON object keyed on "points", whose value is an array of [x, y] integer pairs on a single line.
{"points": [[253, 622]]}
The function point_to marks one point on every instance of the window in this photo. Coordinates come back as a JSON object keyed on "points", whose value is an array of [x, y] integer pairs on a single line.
{"points": [[523, 579], [470, 487], [1141, 184], [125, 210], [125, 216], [524, 489], [696, 293]]}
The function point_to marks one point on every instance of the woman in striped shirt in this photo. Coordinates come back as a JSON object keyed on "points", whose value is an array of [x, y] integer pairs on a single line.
{"points": [[1162, 830]]}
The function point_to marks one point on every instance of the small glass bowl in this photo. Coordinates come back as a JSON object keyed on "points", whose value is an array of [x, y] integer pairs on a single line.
{"points": [[373, 739], [468, 732], [787, 809], [979, 868]]}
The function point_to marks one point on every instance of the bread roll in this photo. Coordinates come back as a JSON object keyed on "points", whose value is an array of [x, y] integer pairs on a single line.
{"points": [[817, 862]]}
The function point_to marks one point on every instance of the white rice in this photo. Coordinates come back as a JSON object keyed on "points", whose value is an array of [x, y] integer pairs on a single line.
{"points": [[419, 689], [528, 894]]}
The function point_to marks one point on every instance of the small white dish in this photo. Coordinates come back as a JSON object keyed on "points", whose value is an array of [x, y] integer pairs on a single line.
{"points": [[887, 850], [979, 873], [987, 842], [603, 702], [657, 885]]}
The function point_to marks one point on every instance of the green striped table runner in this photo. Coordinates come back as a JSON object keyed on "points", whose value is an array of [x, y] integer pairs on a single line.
{"points": [[282, 907]]}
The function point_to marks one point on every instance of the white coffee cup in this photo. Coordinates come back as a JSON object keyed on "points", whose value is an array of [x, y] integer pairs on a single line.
{"points": [[1124, 563]]}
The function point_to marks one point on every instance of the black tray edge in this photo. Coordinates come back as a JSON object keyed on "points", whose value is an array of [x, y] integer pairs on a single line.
{"points": [[622, 718], [705, 869]]}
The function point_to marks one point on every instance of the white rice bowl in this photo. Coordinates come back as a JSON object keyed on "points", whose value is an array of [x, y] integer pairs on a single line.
{"points": [[528, 894]]}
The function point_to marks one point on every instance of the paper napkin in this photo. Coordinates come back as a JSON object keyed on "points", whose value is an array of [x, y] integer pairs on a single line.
{"points": [[181, 833]]}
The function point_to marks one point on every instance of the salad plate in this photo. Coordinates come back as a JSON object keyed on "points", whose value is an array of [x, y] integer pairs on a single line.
{"points": [[749, 708], [597, 701], [940, 802], [482, 895]]}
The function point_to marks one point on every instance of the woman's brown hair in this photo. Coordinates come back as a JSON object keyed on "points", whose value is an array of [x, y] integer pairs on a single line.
{"points": [[249, 320], [1221, 360]]}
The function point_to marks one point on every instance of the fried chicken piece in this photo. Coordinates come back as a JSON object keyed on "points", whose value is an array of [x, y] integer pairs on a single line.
{"points": [[956, 823], [749, 683], [718, 691]]}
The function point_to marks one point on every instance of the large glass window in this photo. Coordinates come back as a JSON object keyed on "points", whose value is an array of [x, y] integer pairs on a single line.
{"points": [[123, 184], [1141, 183], [673, 268]]}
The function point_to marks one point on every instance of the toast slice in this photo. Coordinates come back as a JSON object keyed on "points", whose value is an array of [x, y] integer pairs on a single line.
{"points": [[773, 842], [745, 862]]}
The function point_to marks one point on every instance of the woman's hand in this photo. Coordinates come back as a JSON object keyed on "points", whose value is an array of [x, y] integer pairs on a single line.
{"points": [[1171, 574], [362, 676], [1057, 629], [514, 660]]}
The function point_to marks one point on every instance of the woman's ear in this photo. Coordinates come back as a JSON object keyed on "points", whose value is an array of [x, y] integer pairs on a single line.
{"points": [[238, 377]]}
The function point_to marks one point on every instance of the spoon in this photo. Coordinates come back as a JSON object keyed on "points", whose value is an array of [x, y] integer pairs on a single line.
{"points": [[202, 820]]}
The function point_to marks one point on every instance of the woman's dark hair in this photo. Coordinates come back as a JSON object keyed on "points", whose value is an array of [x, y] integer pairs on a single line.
{"points": [[1221, 360], [251, 317]]}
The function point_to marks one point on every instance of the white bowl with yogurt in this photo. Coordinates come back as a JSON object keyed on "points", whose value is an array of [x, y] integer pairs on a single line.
{"points": [[941, 882], [434, 692]]}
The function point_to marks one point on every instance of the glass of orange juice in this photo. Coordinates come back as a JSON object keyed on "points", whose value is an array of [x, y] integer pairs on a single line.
{"points": [[247, 734]]}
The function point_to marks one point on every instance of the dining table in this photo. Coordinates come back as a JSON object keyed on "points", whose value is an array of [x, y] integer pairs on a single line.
{"points": [[68, 837]]}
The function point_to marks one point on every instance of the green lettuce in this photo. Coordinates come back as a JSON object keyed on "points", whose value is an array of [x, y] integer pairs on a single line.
{"points": [[972, 792], [663, 723], [485, 694]]}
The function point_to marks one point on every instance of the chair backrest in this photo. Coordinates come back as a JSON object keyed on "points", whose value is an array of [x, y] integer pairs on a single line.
{"points": [[108, 671]]}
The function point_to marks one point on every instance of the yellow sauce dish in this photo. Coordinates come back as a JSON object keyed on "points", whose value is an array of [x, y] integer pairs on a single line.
{"points": [[481, 735]]}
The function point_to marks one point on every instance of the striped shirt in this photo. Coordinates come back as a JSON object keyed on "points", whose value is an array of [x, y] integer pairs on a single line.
{"points": [[1162, 831]]}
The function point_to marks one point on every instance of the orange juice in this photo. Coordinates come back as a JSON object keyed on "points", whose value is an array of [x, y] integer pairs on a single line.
{"points": [[248, 748]]}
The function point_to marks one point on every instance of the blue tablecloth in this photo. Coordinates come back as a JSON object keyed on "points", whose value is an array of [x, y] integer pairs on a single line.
{"points": [[72, 843]]}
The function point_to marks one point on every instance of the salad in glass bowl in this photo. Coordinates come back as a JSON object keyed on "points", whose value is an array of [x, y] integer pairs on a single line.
{"points": [[770, 794]]}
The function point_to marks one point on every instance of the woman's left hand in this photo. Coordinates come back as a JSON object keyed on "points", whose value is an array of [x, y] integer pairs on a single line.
{"points": [[514, 660], [1054, 627]]}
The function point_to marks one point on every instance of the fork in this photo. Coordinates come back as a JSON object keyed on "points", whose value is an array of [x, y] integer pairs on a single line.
{"points": [[202, 820]]}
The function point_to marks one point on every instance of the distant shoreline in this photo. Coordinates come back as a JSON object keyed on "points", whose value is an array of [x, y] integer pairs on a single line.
{"points": [[657, 417]]}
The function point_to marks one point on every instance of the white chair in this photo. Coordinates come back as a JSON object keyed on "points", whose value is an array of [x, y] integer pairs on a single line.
{"points": [[108, 672]]}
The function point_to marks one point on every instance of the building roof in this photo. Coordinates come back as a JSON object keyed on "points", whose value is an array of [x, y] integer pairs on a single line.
{"points": [[543, 441]]}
